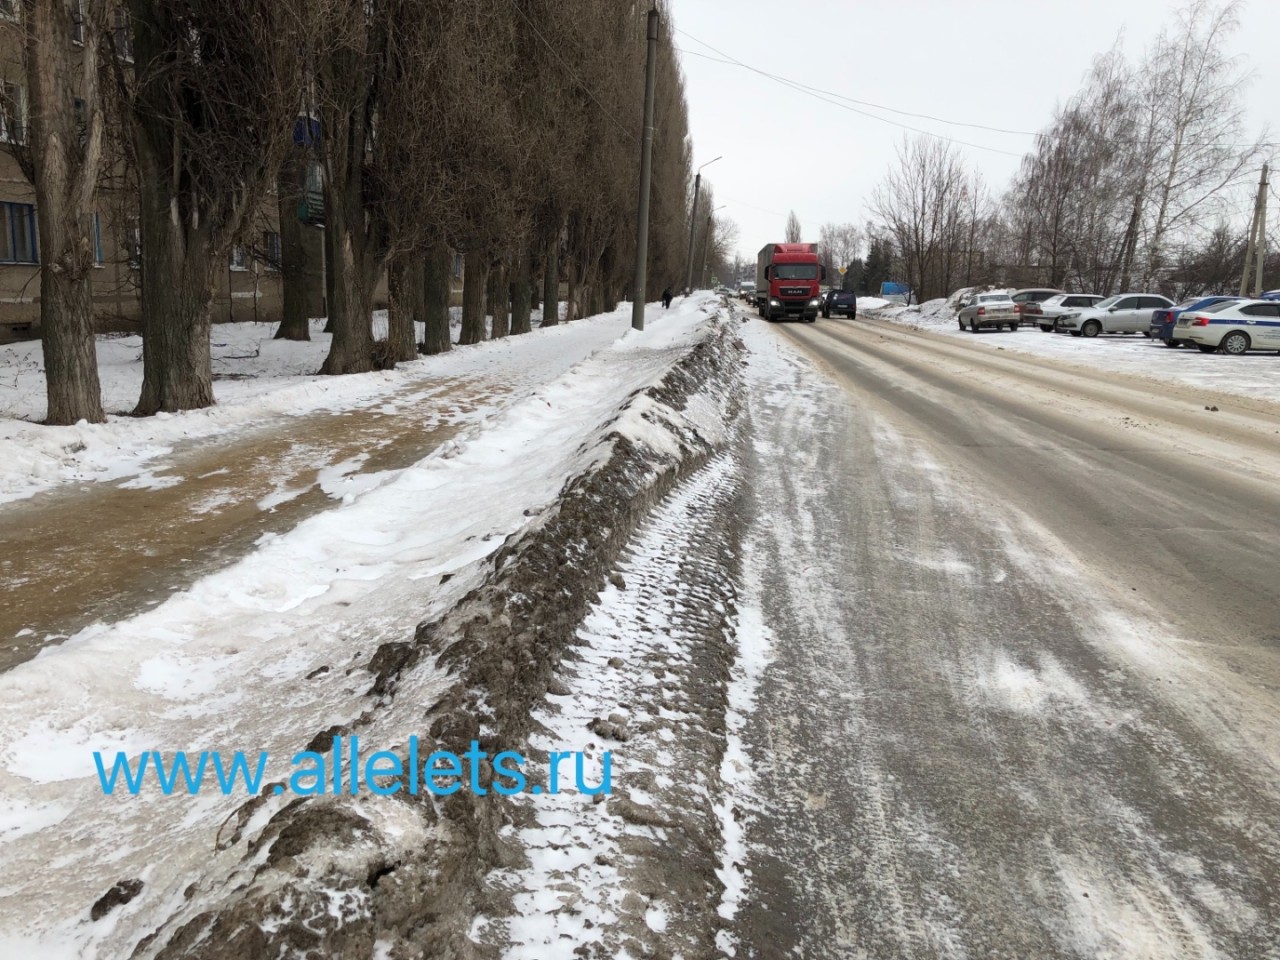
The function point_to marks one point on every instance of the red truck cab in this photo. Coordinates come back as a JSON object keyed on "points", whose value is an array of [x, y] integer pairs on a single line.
{"points": [[787, 280]]}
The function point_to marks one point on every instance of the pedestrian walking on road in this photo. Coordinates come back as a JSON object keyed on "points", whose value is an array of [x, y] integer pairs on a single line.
{"points": [[666, 298]]}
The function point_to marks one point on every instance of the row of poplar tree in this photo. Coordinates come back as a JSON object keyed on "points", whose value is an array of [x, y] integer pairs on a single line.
{"points": [[505, 130]]}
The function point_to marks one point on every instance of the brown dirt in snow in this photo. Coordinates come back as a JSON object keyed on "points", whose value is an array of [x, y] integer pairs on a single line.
{"points": [[70, 558], [503, 642]]}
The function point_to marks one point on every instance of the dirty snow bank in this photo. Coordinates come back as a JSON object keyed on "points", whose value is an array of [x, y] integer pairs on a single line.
{"points": [[361, 876]]}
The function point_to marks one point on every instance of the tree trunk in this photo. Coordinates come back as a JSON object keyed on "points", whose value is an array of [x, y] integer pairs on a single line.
{"points": [[520, 291], [405, 307], [499, 302], [535, 289], [64, 185], [571, 310], [300, 267], [329, 284], [551, 285], [351, 309], [1130, 246], [435, 336], [177, 290], [67, 338], [473, 281]]}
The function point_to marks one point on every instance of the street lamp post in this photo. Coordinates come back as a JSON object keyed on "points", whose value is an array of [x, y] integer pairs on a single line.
{"points": [[693, 222]]}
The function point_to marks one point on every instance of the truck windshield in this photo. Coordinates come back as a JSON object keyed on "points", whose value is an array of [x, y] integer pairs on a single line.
{"points": [[795, 271]]}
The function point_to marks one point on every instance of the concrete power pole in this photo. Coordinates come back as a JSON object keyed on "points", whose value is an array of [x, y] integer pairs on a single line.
{"points": [[646, 165], [1255, 253]]}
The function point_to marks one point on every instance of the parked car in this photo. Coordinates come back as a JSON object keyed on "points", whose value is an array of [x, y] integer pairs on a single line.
{"points": [[1022, 299], [1047, 311], [1232, 326], [1162, 321], [988, 310], [1269, 295], [839, 302], [1123, 313]]}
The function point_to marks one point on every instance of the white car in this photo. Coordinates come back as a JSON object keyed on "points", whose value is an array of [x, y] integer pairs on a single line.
{"points": [[1232, 326], [1123, 313], [1058, 306]]}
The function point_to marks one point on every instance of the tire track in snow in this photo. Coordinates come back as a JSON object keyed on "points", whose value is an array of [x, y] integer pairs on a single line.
{"points": [[636, 872]]}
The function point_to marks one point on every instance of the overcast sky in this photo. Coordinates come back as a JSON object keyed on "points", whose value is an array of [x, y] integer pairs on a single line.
{"points": [[1000, 63]]}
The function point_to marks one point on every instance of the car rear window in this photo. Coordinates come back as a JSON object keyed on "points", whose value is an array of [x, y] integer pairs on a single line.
{"points": [[1216, 307]]}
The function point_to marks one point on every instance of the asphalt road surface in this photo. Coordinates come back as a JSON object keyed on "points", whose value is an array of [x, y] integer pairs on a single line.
{"points": [[1024, 694]]}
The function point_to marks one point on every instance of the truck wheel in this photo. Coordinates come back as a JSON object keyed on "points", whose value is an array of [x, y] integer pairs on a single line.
{"points": [[1047, 327], [812, 318]]}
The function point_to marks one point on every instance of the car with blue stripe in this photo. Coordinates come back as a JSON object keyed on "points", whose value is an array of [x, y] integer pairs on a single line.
{"points": [[1232, 326], [1163, 321]]}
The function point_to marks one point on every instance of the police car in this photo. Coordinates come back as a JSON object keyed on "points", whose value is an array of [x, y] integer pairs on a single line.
{"points": [[1232, 326]]}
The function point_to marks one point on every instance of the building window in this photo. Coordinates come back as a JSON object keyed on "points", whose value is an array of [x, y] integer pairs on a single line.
{"points": [[457, 266], [13, 113], [271, 250], [18, 233], [9, 9], [77, 22], [122, 35], [239, 259]]}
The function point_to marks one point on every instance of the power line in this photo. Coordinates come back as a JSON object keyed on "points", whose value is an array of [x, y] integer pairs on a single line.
{"points": [[587, 90], [821, 94], [825, 96]]}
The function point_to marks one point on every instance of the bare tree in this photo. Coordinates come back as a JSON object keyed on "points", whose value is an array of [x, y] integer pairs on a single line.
{"points": [[838, 245], [209, 104], [793, 228], [1200, 121], [921, 203], [64, 160]]}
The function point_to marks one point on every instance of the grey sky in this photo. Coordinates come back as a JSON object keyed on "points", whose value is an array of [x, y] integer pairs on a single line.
{"points": [[999, 63]]}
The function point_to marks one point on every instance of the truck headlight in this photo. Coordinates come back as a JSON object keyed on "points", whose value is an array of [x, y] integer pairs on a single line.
{"points": [[774, 303], [815, 302]]}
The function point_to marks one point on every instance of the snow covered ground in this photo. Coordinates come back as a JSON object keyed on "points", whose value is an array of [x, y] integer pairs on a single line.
{"points": [[1253, 375], [256, 380], [258, 656]]}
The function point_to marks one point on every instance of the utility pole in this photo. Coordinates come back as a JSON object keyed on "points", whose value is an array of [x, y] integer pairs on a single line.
{"points": [[646, 164], [1256, 251], [693, 222]]}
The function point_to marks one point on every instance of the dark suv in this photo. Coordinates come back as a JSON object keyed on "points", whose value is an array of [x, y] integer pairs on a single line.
{"points": [[839, 302]]}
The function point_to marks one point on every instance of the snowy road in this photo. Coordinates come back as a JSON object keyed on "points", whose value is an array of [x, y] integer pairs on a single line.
{"points": [[1024, 680]]}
